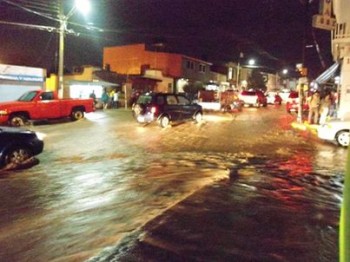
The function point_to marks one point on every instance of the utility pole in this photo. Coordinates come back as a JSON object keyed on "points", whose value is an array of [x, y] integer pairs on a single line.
{"points": [[239, 68], [63, 26], [302, 81], [83, 6]]}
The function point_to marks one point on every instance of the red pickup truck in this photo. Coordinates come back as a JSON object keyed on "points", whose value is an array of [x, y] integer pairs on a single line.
{"points": [[39, 105]]}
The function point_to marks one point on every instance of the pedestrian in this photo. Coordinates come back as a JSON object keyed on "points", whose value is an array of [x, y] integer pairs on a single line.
{"points": [[104, 99], [111, 97], [116, 98], [93, 96], [333, 107], [325, 107], [314, 107]]}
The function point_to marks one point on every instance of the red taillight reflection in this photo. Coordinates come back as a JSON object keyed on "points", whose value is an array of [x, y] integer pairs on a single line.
{"points": [[292, 100], [153, 109]]}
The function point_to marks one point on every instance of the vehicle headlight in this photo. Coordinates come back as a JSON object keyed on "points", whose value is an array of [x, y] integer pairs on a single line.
{"points": [[40, 135], [3, 112]]}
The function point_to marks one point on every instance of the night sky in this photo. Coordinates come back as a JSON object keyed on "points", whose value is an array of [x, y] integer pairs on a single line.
{"points": [[271, 31]]}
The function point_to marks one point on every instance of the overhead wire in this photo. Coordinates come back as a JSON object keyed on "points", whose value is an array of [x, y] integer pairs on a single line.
{"points": [[31, 10], [44, 50], [29, 26], [51, 11], [51, 7]]}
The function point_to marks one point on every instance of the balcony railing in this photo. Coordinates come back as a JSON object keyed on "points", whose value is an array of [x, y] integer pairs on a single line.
{"points": [[340, 41], [341, 31]]}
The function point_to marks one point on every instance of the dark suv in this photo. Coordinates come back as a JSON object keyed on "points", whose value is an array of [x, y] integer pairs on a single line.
{"points": [[165, 108]]}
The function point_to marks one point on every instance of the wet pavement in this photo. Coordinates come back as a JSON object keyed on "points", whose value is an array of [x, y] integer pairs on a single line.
{"points": [[256, 215], [242, 187]]}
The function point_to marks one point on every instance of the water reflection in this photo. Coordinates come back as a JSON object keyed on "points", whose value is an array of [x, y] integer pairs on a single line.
{"points": [[266, 211]]}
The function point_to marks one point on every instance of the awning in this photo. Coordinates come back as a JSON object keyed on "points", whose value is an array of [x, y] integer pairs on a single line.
{"points": [[328, 74], [94, 82]]}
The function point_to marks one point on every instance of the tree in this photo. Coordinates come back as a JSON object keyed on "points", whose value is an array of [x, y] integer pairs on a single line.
{"points": [[256, 80], [192, 89]]}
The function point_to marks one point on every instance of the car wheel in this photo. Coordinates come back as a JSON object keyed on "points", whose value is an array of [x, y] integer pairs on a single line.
{"points": [[17, 156], [198, 117], [164, 121], [343, 138], [77, 114], [18, 120]]}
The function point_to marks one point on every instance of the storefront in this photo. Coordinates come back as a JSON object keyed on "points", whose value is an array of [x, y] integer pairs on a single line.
{"points": [[83, 89], [16, 80]]}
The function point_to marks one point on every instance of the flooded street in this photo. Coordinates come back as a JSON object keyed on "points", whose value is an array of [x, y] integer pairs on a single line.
{"points": [[242, 187]]}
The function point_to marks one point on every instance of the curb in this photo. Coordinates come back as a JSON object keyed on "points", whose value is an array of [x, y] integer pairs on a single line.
{"points": [[305, 126]]}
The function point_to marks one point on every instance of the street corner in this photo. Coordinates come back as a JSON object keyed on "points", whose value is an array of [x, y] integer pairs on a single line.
{"points": [[305, 126]]}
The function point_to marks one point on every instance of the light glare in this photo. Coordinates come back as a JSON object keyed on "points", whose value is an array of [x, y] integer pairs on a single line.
{"points": [[251, 62], [83, 6]]}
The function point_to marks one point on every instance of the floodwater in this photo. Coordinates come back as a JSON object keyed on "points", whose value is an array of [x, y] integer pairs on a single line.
{"points": [[242, 187]]}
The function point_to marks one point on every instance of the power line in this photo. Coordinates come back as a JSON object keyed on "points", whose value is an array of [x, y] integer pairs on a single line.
{"points": [[29, 26], [52, 7], [44, 51], [30, 10]]}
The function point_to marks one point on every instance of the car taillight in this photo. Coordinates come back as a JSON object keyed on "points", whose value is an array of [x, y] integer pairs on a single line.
{"points": [[292, 100], [153, 109]]}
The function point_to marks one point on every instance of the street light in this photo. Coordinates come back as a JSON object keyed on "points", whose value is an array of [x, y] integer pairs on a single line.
{"points": [[251, 62], [84, 7]]}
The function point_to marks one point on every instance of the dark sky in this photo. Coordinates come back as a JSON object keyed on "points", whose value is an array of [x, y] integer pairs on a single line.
{"points": [[272, 31]]}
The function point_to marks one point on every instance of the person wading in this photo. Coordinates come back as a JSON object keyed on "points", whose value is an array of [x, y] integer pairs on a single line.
{"points": [[314, 107]]}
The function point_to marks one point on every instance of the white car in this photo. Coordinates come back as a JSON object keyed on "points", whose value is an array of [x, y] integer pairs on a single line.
{"points": [[335, 130], [253, 98], [270, 96], [284, 94]]}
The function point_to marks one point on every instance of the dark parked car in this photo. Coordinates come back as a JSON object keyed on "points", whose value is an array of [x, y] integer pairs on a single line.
{"points": [[18, 145], [165, 108]]}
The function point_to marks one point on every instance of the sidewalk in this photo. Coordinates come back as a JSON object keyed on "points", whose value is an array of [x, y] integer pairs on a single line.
{"points": [[305, 126]]}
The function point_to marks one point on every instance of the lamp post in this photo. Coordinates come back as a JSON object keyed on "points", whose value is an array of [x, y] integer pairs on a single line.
{"points": [[83, 6], [239, 68]]}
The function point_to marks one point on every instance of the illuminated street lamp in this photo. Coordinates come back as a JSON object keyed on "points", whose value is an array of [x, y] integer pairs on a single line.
{"points": [[84, 7], [251, 62]]}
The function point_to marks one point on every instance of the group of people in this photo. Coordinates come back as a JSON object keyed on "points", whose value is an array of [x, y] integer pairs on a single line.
{"points": [[321, 107], [108, 100]]}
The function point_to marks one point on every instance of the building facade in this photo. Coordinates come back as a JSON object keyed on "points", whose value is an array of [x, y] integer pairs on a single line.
{"points": [[174, 70], [341, 54], [84, 80], [16, 80]]}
